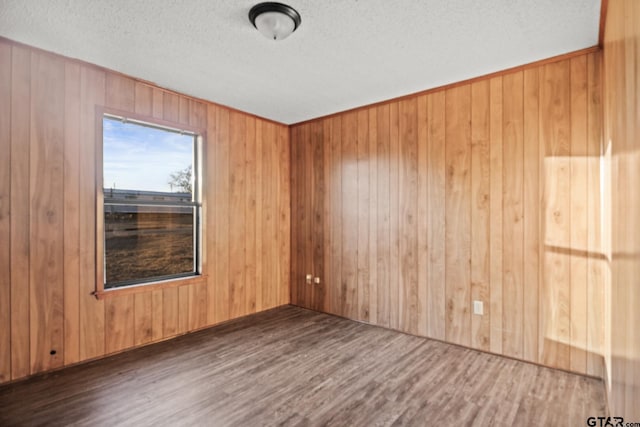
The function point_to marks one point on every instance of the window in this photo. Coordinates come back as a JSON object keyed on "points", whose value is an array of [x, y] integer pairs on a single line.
{"points": [[151, 202]]}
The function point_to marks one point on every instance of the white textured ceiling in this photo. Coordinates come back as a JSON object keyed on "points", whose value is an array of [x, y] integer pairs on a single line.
{"points": [[346, 53]]}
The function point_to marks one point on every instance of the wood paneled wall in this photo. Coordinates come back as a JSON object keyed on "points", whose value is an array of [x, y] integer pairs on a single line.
{"points": [[622, 139], [411, 209], [48, 216]]}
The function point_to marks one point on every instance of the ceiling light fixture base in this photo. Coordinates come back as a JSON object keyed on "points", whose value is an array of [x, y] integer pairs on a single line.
{"points": [[276, 21]]}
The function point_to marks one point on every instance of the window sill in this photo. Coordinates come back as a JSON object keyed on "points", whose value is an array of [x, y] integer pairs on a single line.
{"points": [[150, 287]]}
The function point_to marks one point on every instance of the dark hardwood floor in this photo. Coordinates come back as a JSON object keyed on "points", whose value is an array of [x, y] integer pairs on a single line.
{"points": [[290, 366]]}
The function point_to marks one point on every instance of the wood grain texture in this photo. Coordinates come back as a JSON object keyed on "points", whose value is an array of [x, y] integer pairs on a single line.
{"points": [[409, 301], [237, 218], [92, 312], [513, 225], [349, 213], [52, 153], [579, 202], [318, 218], [480, 215], [20, 214], [71, 214], [5, 214], [238, 372], [119, 323], [364, 196], [221, 202], [422, 228], [531, 205], [394, 215], [458, 215], [596, 263], [383, 237], [250, 159], [283, 224], [373, 215], [555, 146], [496, 210], [473, 194], [436, 218], [621, 168], [46, 159]]}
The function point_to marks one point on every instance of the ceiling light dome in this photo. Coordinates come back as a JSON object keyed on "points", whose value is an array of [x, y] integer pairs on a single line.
{"points": [[276, 21]]}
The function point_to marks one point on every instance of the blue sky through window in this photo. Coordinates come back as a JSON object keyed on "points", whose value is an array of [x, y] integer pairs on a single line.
{"points": [[137, 157]]}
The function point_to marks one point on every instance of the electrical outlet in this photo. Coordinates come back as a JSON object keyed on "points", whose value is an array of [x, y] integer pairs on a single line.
{"points": [[478, 307]]}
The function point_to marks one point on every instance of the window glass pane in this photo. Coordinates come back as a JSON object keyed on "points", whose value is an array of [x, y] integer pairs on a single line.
{"points": [[137, 157], [151, 210], [143, 242]]}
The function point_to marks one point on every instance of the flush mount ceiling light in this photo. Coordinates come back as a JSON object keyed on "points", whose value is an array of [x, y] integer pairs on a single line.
{"points": [[276, 21]]}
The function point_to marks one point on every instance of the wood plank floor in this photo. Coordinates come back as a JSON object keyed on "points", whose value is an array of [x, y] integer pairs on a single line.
{"points": [[290, 366]]}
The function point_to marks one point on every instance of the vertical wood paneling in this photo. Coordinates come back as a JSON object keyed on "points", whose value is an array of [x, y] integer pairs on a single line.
{"points": [[458, 215], [383, 239], [451, 195], [327, 267], [335, 185], [305, 212], [20, 213], [394, 216], [120, 92], [250, 216], [317, 191], [210, 210], [532, 247], [555, 147], [373, 215], [409, 302], [363, 171], [495, 210], [513, 226], [119, 323], [92, 311], [436, 293], [170, 107], [46, 207], [422, 215], [296, 187], [306, 197], [350, 215], [184, 110], [143, 321], [50, 133], [269, 215], [480, 189], [237, 292], [71, 214], [596, 258], [5, 213], [579, 201], [621, 90], [221, 252], [183, 308], [260, 235], [284, 213]]}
